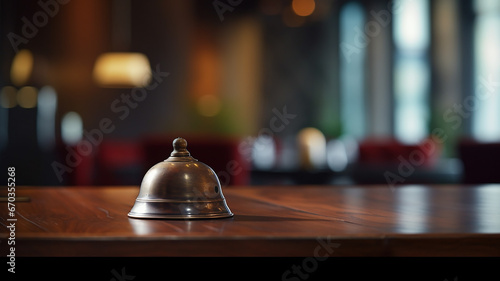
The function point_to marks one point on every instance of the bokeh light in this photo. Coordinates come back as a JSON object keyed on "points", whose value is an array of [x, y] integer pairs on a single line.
{"points": [[8, 97], [303, 8], [27, 97], [22, 67]]}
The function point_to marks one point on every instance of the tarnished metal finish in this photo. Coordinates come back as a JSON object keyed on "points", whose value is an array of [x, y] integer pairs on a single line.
{"points": [[180, 187]]}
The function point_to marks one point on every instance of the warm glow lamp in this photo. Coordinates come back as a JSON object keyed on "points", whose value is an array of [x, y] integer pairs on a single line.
{"points": [[122, 70]]}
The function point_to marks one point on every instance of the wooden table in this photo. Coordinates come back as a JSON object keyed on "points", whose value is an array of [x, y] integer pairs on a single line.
{"points": [[320, 221]]}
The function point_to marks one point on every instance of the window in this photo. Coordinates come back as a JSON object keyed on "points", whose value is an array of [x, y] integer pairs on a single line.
{"points": [[352, 67], [411, 70], [486, 114]]}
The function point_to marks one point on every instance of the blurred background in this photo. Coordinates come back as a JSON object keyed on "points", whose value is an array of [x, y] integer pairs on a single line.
{"points": [[266, 92]]}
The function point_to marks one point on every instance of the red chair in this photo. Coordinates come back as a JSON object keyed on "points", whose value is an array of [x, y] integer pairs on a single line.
{"points": [[75, 165], [376, 157], [389, 151], [112, 162], [479, 161], [119, 162]]}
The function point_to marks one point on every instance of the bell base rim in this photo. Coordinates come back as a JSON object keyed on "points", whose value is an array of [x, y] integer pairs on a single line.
{"points": [[179, 217]]}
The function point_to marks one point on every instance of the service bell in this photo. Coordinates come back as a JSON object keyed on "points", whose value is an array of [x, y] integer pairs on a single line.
{"points": [[180, 187]]}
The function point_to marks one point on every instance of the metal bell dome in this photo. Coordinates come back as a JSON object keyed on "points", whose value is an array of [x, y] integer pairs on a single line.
{"points": [[180, 187]]}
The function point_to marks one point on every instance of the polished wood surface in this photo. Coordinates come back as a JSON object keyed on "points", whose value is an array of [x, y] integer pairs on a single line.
{"points": [[413, 220]]}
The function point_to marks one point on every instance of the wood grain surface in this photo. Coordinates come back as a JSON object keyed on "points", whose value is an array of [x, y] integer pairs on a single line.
{"points": [[345, 221]]}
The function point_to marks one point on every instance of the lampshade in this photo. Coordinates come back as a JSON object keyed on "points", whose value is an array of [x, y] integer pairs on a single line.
{"points": [[122, 70]]}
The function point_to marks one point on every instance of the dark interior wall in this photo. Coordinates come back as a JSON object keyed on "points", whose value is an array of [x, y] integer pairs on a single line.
{"points": [[67, 45]]}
